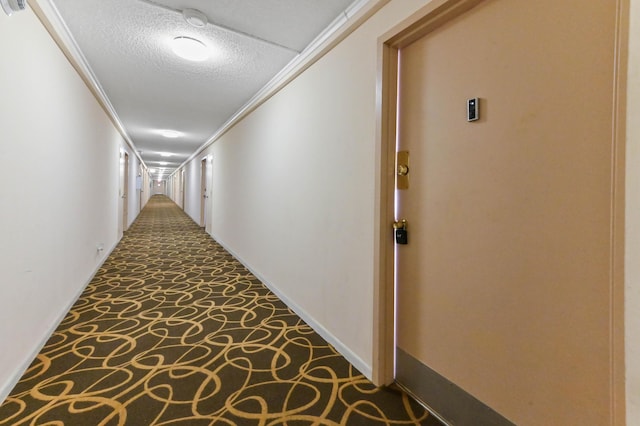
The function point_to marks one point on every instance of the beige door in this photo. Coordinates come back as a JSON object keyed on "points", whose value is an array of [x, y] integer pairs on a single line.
{"points": [[125, 193], [504, 288]]}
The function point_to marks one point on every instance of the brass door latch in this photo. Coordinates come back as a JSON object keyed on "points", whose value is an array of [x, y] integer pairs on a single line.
{"points": [[402, 170]]}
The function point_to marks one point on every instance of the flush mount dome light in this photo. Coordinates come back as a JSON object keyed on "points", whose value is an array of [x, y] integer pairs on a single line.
{"points": [[190, 48], [170, 133], [10, 6]]}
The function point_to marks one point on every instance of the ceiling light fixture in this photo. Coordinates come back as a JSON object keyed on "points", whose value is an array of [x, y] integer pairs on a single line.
{"points": [[195, 18], [166, 154], [163, 163], [190, 48], [170, 133], [10, 6]]}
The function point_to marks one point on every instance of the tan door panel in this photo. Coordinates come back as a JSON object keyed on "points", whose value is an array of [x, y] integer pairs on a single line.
{"points": [[504, 285]]}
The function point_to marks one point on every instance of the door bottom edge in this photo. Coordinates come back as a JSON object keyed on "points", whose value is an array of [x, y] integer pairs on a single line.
{"points": [[448, 402], [422, 403]]}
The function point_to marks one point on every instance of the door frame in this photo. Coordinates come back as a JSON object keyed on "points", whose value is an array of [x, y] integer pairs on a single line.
{"points": [[419, 24], [208, 220], [203, 192], [182, 189], [140, 186], [125, 192]]}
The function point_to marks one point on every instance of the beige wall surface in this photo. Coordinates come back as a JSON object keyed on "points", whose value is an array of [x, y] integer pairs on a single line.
{"points": [[59, 195], [632, 269]]}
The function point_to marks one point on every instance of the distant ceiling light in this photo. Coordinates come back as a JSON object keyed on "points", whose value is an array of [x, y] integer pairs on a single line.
{"points": [[190, 48], [166, 154], [195, 17], [163, 163], [152, 170], [170, 133], [10, 6]]}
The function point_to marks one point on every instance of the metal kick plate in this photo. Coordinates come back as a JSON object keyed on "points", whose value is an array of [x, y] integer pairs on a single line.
{"points": [[402, 170]]}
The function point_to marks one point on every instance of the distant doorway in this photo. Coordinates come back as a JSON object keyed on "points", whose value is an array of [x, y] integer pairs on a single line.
{"points": [[125, 193], [182, 186], [203, 191]]}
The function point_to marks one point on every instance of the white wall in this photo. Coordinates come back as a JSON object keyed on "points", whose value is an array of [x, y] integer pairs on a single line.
{"points": [[59, 191], [146, 192], [171, 185], [174, 188], [632, 261], [192, 177], [134, 195], [134, 204]]}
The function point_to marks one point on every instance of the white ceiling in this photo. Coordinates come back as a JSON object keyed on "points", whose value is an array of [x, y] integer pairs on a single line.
{"points": [[125, 44]]}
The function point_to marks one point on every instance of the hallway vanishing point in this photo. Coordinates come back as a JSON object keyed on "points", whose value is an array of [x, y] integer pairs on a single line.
{"points": [[173, 330]]}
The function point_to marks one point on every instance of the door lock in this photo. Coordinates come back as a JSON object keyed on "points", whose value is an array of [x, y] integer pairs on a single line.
{"points": [[400, 231], [402, 170]]}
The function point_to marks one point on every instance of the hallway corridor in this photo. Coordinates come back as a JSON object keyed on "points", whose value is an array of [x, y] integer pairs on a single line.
{"points": [[173, 330]]}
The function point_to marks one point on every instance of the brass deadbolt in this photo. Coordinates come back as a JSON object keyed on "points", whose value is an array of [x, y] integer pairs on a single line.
{"points": [[403, 170]]}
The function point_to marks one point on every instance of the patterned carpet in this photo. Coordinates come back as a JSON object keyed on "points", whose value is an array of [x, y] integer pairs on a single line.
{"points": [[174, 331]]}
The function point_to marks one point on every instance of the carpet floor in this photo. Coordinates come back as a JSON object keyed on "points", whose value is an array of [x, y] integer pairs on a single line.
{"points": [[174, 331]]}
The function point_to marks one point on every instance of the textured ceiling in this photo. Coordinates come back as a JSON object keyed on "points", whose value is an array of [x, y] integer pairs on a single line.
{"points": [[126, 45]]}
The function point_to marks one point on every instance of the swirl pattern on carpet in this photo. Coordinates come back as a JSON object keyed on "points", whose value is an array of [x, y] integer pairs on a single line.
{"points": [[174, 331]]}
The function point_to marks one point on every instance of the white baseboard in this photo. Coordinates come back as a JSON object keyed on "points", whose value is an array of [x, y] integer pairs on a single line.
{"points": [[10, 383], [343, 349]]}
